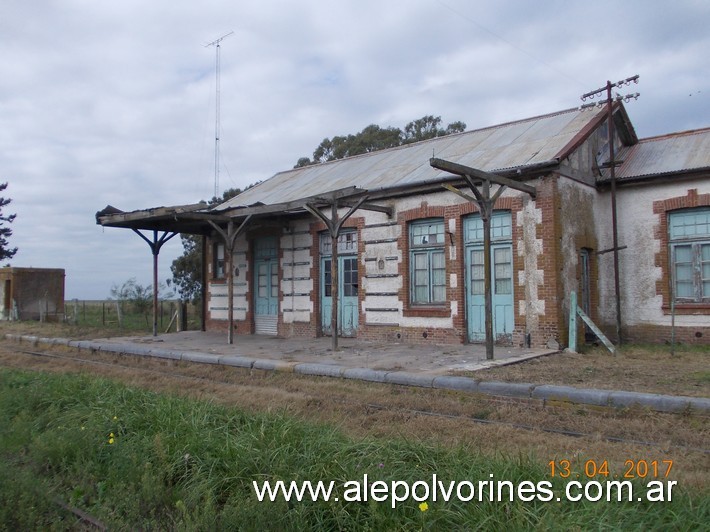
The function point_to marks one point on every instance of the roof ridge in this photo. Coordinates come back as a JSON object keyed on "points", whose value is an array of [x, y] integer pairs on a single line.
{"points": [[450, 136], [676, 134]]}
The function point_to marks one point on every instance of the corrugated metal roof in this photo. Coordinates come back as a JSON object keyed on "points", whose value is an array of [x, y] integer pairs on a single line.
{"points": [[512, 145], [678, 152]]}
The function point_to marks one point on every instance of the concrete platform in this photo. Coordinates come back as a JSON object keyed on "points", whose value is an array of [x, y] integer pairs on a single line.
{"points": [[432, 366], [353, 353]]}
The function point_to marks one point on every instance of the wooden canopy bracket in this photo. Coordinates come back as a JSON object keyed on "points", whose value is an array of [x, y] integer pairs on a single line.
{"points": [[334, 225], [474, 179], [230, 238]]}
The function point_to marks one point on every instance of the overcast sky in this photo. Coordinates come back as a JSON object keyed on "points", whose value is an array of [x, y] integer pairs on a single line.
{"points": [[114, 102]]}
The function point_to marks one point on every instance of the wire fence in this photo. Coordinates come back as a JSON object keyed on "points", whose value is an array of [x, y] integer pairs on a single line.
{"points": [[172, 315]]}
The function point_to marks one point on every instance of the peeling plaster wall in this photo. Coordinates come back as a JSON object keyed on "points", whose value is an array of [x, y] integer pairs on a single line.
{"points": [[296, 264], [381, 282], [639, 273], [218, 292], [531, 278], [577, 205]]}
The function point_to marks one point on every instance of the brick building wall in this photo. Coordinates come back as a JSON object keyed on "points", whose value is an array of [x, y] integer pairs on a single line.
{"points": [[34, 293], [645, 275], [385, 312]]}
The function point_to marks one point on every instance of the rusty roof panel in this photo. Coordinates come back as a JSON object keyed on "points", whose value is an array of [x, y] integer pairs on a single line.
{"points": [[689, 150], [506, 146]]}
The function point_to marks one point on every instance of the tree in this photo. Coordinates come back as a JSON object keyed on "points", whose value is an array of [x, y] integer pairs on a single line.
{"points": [[5, 232], [187, 268], [374, 138], [427, 127], [137, 297]]}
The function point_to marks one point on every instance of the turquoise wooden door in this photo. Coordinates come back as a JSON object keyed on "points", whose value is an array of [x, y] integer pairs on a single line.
{"points": [[501, 278], [347, 286], [347, 293], [266, 286]]}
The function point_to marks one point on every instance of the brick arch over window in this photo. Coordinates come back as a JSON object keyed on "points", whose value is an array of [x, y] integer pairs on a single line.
{"points": [[662, 208], [456, 210]]}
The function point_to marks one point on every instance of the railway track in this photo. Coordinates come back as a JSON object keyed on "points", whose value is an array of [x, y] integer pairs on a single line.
{"points": [[172, 372]]}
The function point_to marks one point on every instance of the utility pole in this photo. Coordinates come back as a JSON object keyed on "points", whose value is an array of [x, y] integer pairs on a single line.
{"points": [[609, 102], [216, 44]]}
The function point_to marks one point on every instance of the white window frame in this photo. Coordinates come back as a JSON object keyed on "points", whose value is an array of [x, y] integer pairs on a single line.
{"points": [[689, 243], [427, 243], [219, 264]]}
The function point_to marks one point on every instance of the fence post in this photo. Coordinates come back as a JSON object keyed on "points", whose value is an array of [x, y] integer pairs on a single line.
{"points": [[182, 322], [118, 314], [573, 322]]}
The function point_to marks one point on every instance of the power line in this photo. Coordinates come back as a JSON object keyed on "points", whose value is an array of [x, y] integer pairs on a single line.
{"points": [[508, 42]]}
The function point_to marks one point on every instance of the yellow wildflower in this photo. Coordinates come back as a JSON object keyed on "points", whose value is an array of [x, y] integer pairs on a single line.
{"points": [[423, 506]]}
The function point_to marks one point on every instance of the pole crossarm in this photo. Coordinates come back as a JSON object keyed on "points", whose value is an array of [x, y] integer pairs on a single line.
{"points": [[473, 174]]}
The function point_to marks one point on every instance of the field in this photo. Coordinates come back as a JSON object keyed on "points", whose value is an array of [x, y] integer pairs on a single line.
{"points": [[647, 368], [112, 316], [319, 428]]}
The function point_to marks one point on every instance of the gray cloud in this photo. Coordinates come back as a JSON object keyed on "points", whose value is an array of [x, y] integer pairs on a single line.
{"points": [[114, 102]]}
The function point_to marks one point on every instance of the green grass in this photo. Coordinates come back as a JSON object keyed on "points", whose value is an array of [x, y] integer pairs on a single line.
{"points": [[182, 464]]}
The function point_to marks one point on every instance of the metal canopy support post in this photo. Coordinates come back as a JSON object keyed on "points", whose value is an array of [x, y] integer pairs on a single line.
{"points": [[475, 178], [334, 225], [230, 238], [155, 246]]}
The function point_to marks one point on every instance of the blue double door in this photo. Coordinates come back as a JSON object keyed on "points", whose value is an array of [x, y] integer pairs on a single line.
{"points": [[501, 277], [347, 295]]}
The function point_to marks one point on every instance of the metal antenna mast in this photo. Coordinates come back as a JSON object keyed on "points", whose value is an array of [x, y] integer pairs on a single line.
{"points": [[216, 44]]}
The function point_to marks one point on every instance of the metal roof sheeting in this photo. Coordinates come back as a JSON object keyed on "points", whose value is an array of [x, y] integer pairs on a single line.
{"points": [[678, 152], [513, 145]]}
